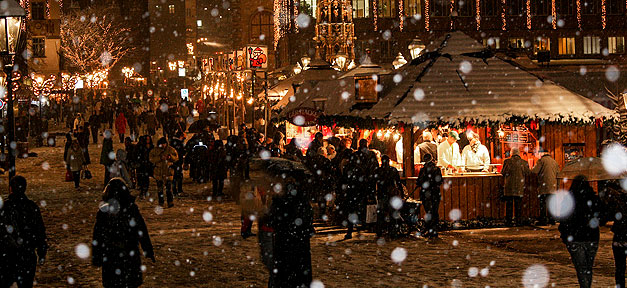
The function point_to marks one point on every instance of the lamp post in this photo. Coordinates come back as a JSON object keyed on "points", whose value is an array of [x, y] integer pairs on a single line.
{"points": [[11, 17], [399, 61], [341, 61], [415, 48]]}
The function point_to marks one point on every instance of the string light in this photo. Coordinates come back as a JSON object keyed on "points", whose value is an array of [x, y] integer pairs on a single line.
{"points": [[478, 15], [553, 14], [528, 14], [452, 5], [47, 9], [376, 15], [277, 22], [401, 12], [503, 5], [427, 14], [603, 15], [295, 16], [579, 14]]}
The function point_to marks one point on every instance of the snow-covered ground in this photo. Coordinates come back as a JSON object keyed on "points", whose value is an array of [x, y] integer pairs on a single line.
{"points": [[192, 252]]}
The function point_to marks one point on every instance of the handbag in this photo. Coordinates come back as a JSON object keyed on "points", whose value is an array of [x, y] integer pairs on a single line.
{"points": [[87, 174], [68, 176], [371, 213]]}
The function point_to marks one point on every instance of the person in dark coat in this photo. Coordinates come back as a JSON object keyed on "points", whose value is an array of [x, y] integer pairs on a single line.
{"points": [[580, 229], [219, 168], [546, 170], [292, 152], [8, 252], [118, 232], [29, 232], [515, 170], [429, 182], [320, 167], [144, 166], [66, 149], [177, 142], [107, 156], [312, 150], [388, 185], [291, 218], [428, 146], [94, 124], [619, 241], [83, 140]]}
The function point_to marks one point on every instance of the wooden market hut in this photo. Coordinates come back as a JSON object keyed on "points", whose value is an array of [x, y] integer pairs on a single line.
{"points": [[458, 82]]}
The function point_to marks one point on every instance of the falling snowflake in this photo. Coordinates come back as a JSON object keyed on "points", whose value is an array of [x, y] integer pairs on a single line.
{"points": [[82, 251], [106, 58], [536, 276], [455, 214], [207, 216], [398, 255]]}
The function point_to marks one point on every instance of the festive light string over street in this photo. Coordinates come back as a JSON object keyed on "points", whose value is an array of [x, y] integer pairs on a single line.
{"points": [[528, 14], [553, 14], [603, 15], [478, 13], [579, 14], [41, 86], [427, 15]]}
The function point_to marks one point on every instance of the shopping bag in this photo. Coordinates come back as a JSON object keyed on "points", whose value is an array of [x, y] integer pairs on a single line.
{"points": [[68, 176], [371, 213]]}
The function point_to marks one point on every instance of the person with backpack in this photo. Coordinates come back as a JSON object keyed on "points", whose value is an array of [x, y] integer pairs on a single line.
{"points": [[118, 232], [28, 235]]}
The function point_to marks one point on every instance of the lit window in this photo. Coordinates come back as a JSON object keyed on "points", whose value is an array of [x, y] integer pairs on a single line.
{"points": [[361, 8], [516, 43], [171, 9], [616, 45], [158, 7], [199, 23], [494, 43], [412, 7], [541, 44], [261, 27], [308, 7], [386, 8], [39, 47], [566, 45], [591, 45]]}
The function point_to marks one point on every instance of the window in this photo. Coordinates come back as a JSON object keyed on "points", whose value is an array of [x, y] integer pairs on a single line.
{"points": [[591, 45], [541, 44], [171, 8], [39, 47], [589, 7], [465, 8], [199, 23], [261, 27], [158, 8], [361, 8], [38, 10], [616, 45], [566, 45], [615, 7], [516, 43], [308, 7], [366, 90], [494, 43], [490, 8], [565, 7], [386, 49], [412, 7], [517, 7], [441, 7], [386, 8], [542, 7]]}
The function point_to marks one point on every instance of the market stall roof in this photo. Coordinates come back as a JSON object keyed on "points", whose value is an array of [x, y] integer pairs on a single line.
{"points": [[366, 68], [318, 71], [457, 81]]}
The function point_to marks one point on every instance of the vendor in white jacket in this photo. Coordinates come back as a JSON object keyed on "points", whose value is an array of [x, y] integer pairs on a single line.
{"points": [[448, 152], [476, 156]]}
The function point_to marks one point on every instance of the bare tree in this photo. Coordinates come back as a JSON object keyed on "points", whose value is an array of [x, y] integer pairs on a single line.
{"points": [[94, 39]]}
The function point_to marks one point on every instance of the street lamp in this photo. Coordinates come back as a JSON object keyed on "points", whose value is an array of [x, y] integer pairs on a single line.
{"points": [[305, 60], [11, 16], [341, 61], [128, 73], [399, 61], [415, 48]]}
